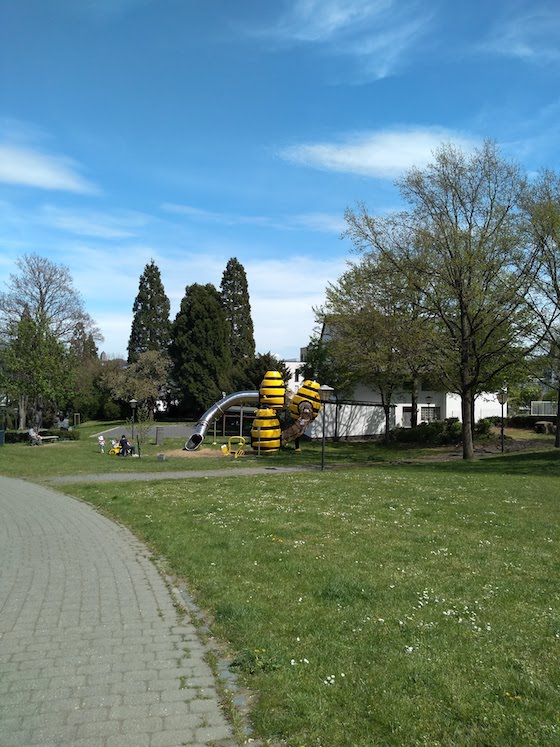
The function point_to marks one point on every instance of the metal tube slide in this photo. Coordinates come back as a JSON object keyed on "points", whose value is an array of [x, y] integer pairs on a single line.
{"points": [[217, 409]]}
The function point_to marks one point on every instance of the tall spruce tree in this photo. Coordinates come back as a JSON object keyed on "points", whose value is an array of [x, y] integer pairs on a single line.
{"points": [[200, 349], [151, 326], [234, 294]]}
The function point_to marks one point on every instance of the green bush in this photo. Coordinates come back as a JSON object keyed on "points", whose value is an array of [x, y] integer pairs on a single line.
{"points": [[111, 411], [22, 437], [16, 437], [483, 427], [528, 421], [63, 434], [436, 433]]}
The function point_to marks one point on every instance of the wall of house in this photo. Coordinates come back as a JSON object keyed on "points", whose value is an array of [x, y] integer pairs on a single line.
{"points": [[349, 420], [365, 417]]}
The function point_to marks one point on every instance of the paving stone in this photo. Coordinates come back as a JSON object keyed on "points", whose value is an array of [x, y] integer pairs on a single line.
{"points": [[91, 650]]}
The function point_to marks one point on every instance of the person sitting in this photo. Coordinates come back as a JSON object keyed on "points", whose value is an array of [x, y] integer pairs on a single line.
{"points": [[124, 445], [34, 437]]}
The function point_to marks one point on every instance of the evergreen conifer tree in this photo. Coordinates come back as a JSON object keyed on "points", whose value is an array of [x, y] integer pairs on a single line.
{"points": [[199, 350], [150, 325], [234, 294]]}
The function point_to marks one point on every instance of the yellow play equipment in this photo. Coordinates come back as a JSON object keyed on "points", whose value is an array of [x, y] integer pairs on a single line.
{"points": [[267, 435], [234, 446]]}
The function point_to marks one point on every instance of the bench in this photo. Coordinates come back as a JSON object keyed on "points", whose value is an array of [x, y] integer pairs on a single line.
{"points": [[37, 439]]}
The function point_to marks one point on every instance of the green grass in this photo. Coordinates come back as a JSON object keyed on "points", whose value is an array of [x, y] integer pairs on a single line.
{"points": [[386, 605], [82, 457]]}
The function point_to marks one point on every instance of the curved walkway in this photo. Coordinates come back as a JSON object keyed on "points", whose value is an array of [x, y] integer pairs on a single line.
{"points": [[147, 476], [92, 650]]}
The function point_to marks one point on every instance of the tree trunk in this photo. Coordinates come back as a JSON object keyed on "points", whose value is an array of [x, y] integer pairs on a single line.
{"points": [[336, 437], [22, 412], [467, 425], [387, 411], [557, 434], [414, 404]]}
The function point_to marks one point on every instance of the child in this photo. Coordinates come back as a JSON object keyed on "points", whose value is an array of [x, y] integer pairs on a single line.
{"points": [[101, 441]]}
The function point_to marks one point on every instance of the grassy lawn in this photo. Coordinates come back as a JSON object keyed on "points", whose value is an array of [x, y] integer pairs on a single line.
{"points": [[403, 604], [82, 457]]}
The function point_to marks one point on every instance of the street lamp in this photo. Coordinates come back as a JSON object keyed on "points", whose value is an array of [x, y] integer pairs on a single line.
{"points": [[325, 394], [133, 403], [502, 399], [429, 402], [3, 422]]}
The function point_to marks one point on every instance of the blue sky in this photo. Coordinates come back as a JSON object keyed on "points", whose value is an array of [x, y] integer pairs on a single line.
{"points": [[193, 131]]}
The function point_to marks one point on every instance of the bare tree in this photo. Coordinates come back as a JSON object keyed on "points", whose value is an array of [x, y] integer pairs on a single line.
{"points": [[44, 290]]}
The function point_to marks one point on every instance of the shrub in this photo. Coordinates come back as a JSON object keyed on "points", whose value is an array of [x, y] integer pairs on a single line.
{"points": [[528, 421], [483, 427], [22, 437], [436, 433]]}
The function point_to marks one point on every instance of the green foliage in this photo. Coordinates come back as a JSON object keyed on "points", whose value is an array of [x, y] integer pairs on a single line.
{"points": [[36, 368], [257, 368], [234, 294], [322, 365], [145, 380], [200, 350], [483, 427], [111, 410], [461, 246], [151, 326], [22, 437], [435, 433]]}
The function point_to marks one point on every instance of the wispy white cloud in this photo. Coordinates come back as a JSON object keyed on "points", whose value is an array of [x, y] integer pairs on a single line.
{"points": [[532, 37], [322, 20], [384, 155], [110, 225], [376, 33], [33, 168], [208, 216], [321, 222]]}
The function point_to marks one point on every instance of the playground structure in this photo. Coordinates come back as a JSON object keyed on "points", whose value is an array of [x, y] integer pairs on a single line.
{"points": [[266, 433]]}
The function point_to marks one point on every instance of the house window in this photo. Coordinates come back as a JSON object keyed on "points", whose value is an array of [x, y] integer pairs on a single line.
{"points": [[429, 414]]}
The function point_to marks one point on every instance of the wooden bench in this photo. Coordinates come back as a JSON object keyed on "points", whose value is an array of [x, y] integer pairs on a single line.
{"points": [[49, 438]]}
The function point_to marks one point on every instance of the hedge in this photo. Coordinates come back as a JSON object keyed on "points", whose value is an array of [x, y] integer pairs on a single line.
{"points": [[22, 437]]}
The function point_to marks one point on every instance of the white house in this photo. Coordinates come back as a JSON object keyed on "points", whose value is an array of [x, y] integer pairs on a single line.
{"points": [[362, 415]]}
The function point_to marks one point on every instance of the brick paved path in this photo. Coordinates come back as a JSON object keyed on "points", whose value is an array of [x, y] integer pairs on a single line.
{"points": [[92, 652]]}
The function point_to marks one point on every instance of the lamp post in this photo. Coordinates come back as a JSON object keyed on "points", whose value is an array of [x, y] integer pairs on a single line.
{"points": [[325, 394], [502, 399], [133, 403], [3, 422], [429, 402]]}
